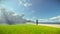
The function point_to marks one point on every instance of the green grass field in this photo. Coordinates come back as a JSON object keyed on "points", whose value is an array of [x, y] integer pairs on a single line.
{"points": [[28, 29]]}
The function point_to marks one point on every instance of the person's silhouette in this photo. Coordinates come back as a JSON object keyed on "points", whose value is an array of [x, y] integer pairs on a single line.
{"points": [[37, 22]]}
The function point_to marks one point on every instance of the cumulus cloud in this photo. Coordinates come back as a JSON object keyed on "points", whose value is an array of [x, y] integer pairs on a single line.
{"points": [[53, 19], [10, 17], [14, 14], [27, 4], [43, 20], [20, 2], [27, 19], [24, 3], [25, 0], [57, 17]]}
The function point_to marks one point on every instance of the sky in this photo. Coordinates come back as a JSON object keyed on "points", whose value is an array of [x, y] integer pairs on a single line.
{"points": [[44, 10]]}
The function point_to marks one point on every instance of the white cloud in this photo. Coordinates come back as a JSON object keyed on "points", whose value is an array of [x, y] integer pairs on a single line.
{"points": [[24, 3], [20, 2], [28, 19], [53, 19], [27, 4], [43, 20], [15, 14], [25, 0], [11, 16], [22, 15], [59, 20], [57, 17]]}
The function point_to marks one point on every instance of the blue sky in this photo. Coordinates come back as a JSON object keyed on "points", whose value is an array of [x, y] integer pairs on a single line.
{"points": [[34, 9]]}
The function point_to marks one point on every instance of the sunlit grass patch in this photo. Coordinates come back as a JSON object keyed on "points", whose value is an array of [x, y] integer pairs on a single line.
{"points": [[28, 29]]}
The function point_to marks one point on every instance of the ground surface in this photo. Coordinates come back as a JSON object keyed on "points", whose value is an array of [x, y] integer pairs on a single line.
{"points": [[50, 25], [28, 29]]}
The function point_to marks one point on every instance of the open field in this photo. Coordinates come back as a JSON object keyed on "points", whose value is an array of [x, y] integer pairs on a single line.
{"points": [[28, 29], [50, 25]]}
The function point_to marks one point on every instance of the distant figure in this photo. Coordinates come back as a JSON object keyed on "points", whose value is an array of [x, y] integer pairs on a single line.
{"points": [[37, 22]]}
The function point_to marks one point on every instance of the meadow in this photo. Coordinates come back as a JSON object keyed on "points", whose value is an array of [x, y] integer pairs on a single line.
{"points": [[28, 29]]}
